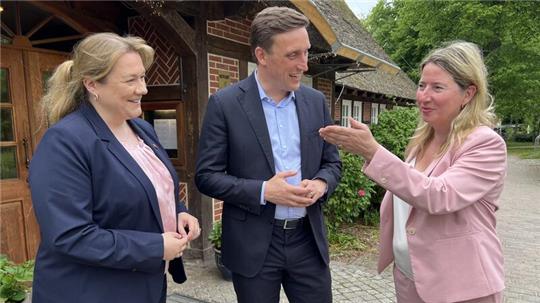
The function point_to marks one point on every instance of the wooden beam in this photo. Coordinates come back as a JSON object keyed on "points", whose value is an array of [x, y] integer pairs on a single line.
{"points": [[76, 20], [58, 39], [38, 26], [7, 30], [173, 26], [228, 48], [163, 92]]}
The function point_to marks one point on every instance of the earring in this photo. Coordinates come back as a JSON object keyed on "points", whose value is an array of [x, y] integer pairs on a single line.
{"points": [[96, 96]]}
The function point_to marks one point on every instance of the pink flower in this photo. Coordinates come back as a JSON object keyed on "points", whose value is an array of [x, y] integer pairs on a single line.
{"points": [[361, 193]]}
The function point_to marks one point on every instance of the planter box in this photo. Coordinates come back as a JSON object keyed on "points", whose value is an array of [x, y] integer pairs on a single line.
{"points": [[225, 272]]}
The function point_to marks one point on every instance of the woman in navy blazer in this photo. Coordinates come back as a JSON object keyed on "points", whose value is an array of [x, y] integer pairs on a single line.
{"points": [[110, 221]]}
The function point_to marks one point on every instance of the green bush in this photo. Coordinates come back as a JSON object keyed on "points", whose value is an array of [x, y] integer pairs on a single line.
{"points": [[393, 131], [351, 199], [395, 128], [357, 197], [215, 235], [15, 279]]}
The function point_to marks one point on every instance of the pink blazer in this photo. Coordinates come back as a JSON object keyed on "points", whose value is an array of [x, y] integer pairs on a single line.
{"points": [[454, 249]]}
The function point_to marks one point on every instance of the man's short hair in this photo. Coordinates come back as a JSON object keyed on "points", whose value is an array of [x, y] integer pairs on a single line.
{"points": [[272, 21]]}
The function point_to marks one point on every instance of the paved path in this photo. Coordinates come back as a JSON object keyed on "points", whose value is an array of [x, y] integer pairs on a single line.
{"points": [[519, 230], [518, 227]]}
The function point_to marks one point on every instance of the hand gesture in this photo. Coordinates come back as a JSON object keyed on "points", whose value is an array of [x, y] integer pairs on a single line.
{"points": [[173, 245], [317, 188], [356, 139], [185, 219], [278, 191]]}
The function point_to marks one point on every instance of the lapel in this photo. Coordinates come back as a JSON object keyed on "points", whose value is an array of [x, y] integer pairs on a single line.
{"points": [[250, 101], [159, 152], [118, 150], [302, 111]]}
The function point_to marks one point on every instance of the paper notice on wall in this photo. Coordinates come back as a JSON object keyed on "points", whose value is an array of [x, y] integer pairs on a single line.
{"points": [[166, 132]]}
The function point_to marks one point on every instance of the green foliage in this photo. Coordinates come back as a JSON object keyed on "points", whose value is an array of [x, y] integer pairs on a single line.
{"points": [[395, 128], [352, 198], [506, 31], [14, 279], [215, 235], [393, 131], [341, 241]]}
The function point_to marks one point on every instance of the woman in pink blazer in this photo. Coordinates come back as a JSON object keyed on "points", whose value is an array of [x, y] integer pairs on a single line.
{"points": [[438, 214]]}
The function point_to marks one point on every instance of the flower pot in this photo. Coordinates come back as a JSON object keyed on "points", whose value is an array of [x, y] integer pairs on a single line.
{"points": [[225, 272]]}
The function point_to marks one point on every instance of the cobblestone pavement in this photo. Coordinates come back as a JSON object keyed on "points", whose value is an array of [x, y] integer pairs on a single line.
{"points": [[518, 227], [519, 230]]}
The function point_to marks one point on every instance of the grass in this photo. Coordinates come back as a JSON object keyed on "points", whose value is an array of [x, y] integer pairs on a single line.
{"points": [[523, 150]]}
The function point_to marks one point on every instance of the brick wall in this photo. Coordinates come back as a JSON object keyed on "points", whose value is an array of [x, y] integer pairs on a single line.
{"points": [[234, 30], [221, 65], [366, 112], [325, 86]]}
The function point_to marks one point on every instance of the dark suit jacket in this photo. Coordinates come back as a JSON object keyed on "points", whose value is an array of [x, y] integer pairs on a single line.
{"points": [[235, 157], [98, 214]]}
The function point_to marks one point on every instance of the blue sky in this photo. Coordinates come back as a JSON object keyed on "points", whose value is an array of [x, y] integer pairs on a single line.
{"points": [[361, 8]]}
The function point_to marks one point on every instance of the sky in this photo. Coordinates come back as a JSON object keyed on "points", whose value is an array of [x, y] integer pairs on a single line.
{"points": [[361, 8]]}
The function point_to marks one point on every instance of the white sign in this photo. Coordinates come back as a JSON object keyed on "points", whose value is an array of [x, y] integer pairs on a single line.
{"points": [[166, 132]]}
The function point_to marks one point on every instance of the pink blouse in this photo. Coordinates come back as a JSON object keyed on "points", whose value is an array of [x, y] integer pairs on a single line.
{"points": [[160, 177]]}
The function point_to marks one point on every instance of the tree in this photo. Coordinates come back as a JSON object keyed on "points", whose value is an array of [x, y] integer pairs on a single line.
{"points": [[507, 32]]}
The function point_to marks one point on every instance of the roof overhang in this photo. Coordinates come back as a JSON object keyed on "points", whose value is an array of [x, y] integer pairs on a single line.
{"points": [[310, 10]]}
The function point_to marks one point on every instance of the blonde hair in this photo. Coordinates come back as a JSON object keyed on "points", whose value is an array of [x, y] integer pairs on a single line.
{"points": [[464, 62], [92, 58]]}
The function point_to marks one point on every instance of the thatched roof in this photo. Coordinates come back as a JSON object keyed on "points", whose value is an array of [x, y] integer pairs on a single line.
{"points": [[349, 31], [377, 81], [342, 31]]}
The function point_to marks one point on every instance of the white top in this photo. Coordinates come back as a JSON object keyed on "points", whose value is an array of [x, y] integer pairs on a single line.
{"points": [[400, 246]]}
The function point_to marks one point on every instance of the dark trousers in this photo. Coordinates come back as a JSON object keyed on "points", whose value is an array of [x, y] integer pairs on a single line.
{"points": [[293, 261], [163, 298]]}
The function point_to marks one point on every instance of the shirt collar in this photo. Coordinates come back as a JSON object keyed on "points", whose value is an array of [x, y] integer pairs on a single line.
{"points": [[265, 97]]}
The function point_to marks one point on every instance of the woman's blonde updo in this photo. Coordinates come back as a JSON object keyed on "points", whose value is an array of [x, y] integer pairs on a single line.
{"points": [[93, 58]]}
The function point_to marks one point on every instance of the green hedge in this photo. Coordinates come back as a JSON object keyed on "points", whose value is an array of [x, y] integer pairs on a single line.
{"points": [[357, 198]]}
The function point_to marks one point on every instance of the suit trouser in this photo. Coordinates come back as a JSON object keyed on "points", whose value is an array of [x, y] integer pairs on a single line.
{"points": [[293, 260], [406, 291]]}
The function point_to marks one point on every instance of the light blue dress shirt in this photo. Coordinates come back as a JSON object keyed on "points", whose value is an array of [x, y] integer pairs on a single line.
{"points": [[284, 131]]}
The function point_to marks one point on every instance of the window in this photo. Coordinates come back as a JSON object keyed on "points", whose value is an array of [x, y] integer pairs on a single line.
{"points": [[374, 113], [167, 118], [345, 112], [357, 111]]}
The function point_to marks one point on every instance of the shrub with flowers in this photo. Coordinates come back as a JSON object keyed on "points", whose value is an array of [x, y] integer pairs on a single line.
{"points": [[351, 199]]}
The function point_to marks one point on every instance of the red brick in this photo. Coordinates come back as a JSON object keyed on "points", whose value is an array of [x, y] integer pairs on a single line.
{"points": [[215, 58]]}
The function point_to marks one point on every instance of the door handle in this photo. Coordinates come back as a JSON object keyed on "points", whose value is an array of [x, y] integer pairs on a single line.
{"points": [[25, 146]]}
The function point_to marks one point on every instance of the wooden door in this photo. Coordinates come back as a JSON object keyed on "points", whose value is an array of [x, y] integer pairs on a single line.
{"points": [[40, 66], [23, 78], [16, 240]]}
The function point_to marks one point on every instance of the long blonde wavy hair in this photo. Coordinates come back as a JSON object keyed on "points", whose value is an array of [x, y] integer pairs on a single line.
{"points": [[92, 58], [464, 62]]}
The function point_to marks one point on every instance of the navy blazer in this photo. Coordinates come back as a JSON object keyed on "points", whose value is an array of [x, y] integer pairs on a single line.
{"points": [[98, 215], [235, 158]]}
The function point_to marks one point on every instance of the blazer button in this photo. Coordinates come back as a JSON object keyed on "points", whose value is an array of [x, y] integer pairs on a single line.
{"points": [[411, 231], [383, 180], [133, 269]]}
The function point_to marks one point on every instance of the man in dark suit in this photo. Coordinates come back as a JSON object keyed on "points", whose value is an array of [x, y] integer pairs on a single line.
{"points": [[261, 153]]}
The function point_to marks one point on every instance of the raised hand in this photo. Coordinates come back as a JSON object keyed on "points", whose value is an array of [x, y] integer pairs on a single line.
{"points": [[356, 139]]}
